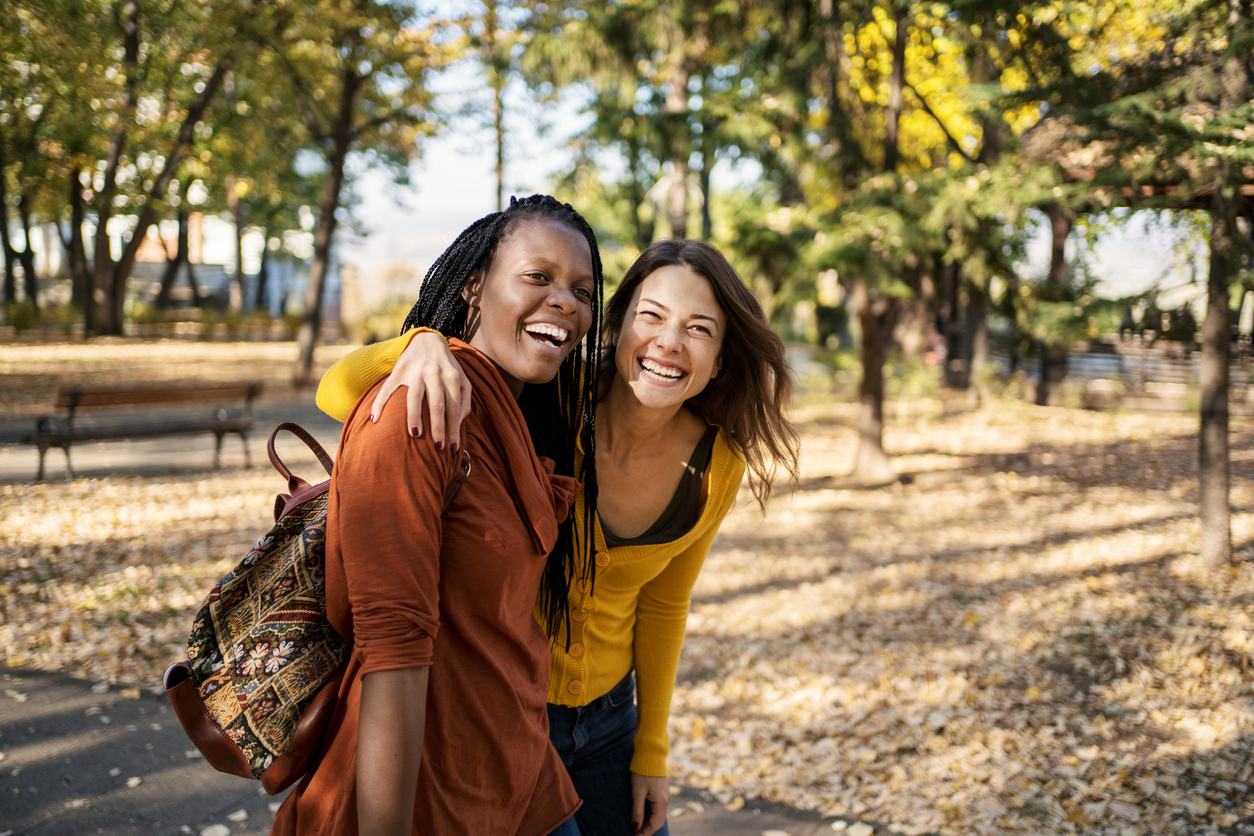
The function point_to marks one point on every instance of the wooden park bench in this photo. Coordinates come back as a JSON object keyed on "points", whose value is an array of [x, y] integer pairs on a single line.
{"points": [[153, 412]]}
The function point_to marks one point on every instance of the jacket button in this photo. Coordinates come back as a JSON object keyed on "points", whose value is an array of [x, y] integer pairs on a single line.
{"points": [[575, 687], [580, 614], [576, 649], [585, 585], [603, 559]]}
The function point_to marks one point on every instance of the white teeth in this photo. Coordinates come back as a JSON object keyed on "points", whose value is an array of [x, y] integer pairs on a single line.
{"points": [[547, 330], [661, 371]]}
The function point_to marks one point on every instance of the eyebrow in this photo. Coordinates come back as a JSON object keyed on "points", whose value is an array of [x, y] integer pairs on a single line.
{"points": [[663, 307]]}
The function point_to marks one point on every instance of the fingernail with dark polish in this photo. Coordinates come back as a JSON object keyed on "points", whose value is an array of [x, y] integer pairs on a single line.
{"points": [[439, 445], [413, 431], [455, 447], [373, 418]]}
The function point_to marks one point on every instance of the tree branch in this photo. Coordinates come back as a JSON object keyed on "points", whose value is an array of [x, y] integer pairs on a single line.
{"points": [[953, 143]]}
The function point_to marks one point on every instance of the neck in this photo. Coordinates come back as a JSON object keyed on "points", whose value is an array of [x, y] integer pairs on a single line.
{"points": [[625, 425], [515, 385]]}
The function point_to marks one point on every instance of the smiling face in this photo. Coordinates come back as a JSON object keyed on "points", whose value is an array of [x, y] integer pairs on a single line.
{"points": [[535, 302], [671, 340]]}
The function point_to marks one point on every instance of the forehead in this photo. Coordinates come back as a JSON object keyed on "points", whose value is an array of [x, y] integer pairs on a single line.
{"points": [[557, 243], [681, 289]]}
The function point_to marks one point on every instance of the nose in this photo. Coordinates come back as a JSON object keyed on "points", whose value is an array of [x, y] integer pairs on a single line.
{"points": [[563, 298], [670, 338]]}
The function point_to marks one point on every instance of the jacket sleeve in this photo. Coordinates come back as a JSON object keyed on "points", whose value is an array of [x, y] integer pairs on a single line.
{"points": [[387, 498], [661, 617], [346, 381]]}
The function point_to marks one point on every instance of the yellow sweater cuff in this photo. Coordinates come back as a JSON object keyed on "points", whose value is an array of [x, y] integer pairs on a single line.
{"points": [[353, 375]]}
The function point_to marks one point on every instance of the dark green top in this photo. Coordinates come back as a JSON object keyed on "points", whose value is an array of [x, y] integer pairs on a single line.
{"points": [[685, 506]]}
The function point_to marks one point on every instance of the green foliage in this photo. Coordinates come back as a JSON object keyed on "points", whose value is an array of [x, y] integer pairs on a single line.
{"points": [[63, 316], [22, 315], [291, 324]]}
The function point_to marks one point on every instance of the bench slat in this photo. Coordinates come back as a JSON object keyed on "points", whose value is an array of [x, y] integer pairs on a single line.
{"points": [[106, 396], [58, 437]]}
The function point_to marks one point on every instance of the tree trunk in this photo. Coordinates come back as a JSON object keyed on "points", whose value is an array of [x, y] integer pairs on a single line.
{"points": [[172, 265], [955, 365], [840, 129], [875, 315], [260, 299], [638, 194], [896, 86], [76, 252], [235, 297], [195, 112], [1213, 470], [1054, 358], [977, 342], [10, 257], [98, 313], [311, 327], [497, 79], [30, 282], [915, 323], [680, 143], [707, 166]]}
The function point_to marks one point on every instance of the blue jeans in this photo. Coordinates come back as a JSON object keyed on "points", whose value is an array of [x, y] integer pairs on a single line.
{"points": [[570, 827], [595, 742]]}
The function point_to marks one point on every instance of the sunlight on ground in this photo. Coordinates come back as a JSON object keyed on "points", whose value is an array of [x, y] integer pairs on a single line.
{"points": [[1018, 639]]}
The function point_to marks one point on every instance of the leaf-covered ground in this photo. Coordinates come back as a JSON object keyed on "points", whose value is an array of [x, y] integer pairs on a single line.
{"points": [[1018, 639]]}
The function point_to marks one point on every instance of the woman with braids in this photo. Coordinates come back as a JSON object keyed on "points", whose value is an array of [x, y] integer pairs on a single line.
{"points": [[693, 393], [436, 556]]}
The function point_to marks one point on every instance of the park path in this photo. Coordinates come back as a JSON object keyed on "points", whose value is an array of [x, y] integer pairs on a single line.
{"points": [[80, 758]]}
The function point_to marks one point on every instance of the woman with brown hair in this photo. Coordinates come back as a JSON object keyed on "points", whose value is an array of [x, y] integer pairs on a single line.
{"points": [[692, 396]]}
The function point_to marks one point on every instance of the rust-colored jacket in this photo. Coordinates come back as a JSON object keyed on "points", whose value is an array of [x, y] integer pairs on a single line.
{"points": [[411, 586]]}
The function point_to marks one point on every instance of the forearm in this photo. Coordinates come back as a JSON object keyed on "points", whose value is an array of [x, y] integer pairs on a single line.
{"points": [[389, 750], [661, 618]]}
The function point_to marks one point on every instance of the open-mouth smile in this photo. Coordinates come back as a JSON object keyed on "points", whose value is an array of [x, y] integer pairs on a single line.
{"points": [[659, 372], [547, 335]]}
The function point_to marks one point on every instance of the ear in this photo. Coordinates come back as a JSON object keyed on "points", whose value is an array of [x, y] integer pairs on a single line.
{"points": [[472, 291], [718, 364]]}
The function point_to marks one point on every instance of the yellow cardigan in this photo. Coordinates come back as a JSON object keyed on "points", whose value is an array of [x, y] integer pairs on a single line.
{"points": [[637, 614]]}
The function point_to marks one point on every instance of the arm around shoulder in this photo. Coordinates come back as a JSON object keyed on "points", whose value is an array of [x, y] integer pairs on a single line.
{"points": [[354, 373]]}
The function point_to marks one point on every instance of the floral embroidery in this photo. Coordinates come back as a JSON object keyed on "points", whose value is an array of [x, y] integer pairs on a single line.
{"points": [[256, 659], [280, 655]]}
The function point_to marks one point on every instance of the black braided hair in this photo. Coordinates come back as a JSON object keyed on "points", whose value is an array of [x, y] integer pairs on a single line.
{"points": [[557, 412]]}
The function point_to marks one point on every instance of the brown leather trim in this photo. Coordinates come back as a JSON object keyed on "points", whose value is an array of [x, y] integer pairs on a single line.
{"points": [[221, 752], [305, 745], [294, 501], [294, 482]]}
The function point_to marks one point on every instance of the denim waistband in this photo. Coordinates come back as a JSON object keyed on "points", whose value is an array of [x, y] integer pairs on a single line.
{"points": [[619, 693]]}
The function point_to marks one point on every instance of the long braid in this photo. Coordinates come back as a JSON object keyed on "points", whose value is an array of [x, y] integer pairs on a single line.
{"points": [[560, 414]]}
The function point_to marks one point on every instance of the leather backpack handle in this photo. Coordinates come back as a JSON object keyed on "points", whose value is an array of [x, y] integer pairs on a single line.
{"points": [[295, 483]]}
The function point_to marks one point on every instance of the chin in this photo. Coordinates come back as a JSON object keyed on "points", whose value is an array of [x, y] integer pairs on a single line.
{"points": [[654, 398]]}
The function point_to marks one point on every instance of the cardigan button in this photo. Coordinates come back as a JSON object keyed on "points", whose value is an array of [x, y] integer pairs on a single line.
{"points": [[576, 649], [575, 687], [585, 585], [580, 614], [603, 559]]}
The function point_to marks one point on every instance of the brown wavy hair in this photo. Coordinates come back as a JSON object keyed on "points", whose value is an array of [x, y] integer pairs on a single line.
{"points": [[753, 387]]}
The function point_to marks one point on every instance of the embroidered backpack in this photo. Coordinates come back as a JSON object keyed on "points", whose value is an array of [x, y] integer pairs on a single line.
{"points": [[264, 665]]}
